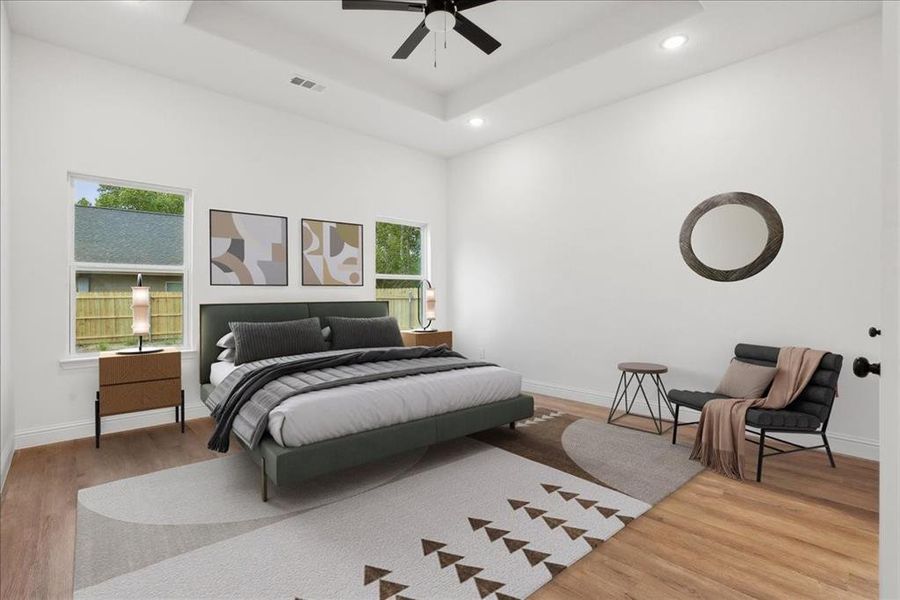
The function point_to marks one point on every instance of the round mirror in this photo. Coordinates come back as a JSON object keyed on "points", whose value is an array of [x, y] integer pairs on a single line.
{"points": [[731, 236]]}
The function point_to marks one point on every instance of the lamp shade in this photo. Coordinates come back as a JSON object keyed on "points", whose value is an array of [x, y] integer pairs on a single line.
{"points": [[140, 296], [140, 310], [140, 320], [430, 304]]}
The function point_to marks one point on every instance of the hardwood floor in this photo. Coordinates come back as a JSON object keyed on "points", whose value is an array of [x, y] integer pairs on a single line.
{"points": [[808, 531]]}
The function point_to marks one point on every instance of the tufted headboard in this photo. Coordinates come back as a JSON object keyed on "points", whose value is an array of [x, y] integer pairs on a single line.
{"points": [[214, 319], [818, 396]]}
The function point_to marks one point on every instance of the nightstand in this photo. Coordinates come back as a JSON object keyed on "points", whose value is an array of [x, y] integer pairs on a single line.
{"points": [[135, 382], [427, 338]]}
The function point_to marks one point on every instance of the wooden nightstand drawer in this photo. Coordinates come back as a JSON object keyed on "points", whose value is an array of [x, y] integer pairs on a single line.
{"points": [[131, 368], [427, 338], [135, 382], [131, 397]]}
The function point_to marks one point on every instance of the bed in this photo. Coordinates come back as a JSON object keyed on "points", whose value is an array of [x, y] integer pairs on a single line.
{"points": [[324, 431]]}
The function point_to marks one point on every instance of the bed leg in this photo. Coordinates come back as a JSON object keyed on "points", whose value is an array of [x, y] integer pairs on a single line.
{"points": [[263, 481], [512, 425]]}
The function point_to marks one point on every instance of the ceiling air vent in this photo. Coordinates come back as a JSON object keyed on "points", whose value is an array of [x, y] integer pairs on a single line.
{"points": [[307, 84]]}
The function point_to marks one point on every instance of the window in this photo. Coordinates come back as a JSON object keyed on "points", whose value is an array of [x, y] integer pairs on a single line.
{"points": [[401, 266], [119, 230]]}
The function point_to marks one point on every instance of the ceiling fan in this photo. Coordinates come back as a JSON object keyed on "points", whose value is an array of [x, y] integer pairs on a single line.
{"points": [[440, 17]]}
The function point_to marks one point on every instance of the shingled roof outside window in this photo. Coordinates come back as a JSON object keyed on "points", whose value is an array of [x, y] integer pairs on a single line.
{"points": [[112, 235]]}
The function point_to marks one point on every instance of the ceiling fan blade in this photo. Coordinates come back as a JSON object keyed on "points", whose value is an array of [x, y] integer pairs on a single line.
{"points": [[475, 34], [467, 4], [414, 39], [382, 5]]}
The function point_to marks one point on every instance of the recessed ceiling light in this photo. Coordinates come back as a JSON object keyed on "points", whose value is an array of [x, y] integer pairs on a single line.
{"points": [[674, 42], [476, 122]]}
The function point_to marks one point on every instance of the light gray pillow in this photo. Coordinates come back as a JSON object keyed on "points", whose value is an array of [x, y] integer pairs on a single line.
{"points": [[745, 380], [226, 355], [371, 332], [256, 341], [226, 341]]}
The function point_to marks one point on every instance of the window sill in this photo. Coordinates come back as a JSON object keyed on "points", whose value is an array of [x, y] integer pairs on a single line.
{"points": [[90, 361]]}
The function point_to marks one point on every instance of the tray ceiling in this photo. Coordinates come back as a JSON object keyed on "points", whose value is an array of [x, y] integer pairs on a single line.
{"points": [[558, 58]]}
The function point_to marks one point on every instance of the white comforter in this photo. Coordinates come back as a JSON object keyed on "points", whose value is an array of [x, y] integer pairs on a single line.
{"points": [[327, 414]]}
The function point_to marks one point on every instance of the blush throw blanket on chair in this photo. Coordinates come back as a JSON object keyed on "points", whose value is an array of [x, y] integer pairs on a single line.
{"points": [[720, 431]]}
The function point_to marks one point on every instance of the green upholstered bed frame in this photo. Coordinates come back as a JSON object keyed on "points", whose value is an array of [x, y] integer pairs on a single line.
{"points": [[286, 466]]}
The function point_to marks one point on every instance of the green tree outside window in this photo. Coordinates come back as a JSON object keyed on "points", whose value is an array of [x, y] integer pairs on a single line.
{"points": [[111, 196], [398, 249]]}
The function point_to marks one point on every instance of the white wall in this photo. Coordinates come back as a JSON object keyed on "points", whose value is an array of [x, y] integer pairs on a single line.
{"points": [[565, 239], [7, 418], [79, 114], [889, 536]]}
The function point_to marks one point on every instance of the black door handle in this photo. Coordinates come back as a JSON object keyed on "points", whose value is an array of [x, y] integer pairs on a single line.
{"points": [[874, 331], [862, 367]]}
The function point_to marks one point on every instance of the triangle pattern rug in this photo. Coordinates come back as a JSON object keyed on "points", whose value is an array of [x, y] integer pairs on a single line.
{"points": [[497, 515]]}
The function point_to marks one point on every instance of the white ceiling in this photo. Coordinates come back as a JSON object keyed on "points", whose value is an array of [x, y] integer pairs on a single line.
{"points": [[559, 57]]}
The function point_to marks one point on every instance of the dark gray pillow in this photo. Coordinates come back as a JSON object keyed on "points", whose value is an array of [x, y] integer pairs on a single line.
{"points": [[256, 341], [371, 332]]}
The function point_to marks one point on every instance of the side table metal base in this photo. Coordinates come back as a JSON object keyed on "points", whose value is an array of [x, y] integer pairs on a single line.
{"points": [[662, 398]]}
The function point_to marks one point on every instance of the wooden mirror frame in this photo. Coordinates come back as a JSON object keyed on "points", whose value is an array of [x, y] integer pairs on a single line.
{"points": [[773, 243]]}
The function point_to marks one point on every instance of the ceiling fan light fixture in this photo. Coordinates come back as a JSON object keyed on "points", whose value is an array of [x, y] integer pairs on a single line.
{"points": [[440, 21], [440, 16]]}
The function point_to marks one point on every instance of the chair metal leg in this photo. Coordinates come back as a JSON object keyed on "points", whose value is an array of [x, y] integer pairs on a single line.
{"points": [[828, 450], [759, 459], [263, 481], [182, 411], [675, 425]]}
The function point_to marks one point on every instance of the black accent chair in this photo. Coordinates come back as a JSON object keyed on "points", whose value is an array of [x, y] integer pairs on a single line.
{"points": [[809, 413]]}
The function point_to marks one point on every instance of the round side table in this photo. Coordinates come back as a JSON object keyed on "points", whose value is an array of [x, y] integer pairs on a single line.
{"points": [[632, 371]]}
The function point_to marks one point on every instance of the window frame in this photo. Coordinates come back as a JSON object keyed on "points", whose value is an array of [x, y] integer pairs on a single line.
{"points": [[118, 268], [425, 255]]}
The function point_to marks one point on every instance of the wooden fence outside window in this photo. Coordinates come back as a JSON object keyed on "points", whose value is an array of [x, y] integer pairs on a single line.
{"points": [[103, 320], [403, 303]]}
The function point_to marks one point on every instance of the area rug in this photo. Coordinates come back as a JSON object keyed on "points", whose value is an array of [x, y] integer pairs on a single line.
{"points": [[495, 515]]}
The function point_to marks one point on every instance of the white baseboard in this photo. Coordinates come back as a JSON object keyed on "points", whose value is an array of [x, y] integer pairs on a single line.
{"points": [[840, 443], [591, 396], [852, 445], [61, 432], [6, 454]]}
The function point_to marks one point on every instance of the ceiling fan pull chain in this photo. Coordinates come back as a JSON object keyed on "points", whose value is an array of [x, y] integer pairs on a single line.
{"points": [[435, 50]]}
